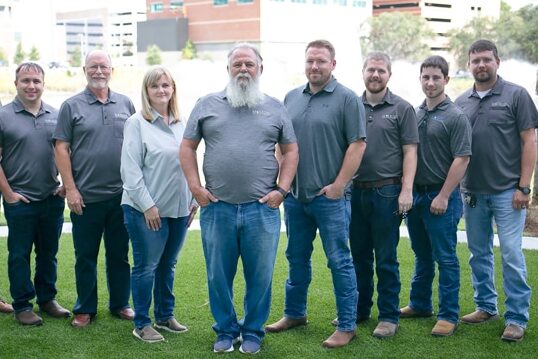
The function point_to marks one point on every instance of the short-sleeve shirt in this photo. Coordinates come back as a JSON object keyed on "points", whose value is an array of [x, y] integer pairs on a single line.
{"points": [[239, 161], [150, 169], [497, 121], [390, 125], [94, 131], [444, 133], [27, 150], [325, 123]]}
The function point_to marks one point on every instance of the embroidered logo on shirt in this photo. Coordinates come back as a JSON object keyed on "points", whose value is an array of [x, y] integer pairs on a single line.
{"points": [[390, 116], [261, 113]]}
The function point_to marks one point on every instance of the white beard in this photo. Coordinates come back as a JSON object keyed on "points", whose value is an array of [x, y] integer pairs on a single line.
{"points": [[241, 94]]}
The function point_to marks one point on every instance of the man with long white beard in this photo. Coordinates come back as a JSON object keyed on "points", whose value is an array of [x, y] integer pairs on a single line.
{"points": [[239, 202]]}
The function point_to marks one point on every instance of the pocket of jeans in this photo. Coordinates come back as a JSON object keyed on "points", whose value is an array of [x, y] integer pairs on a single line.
{"points": [[14, 204], [389, 191]]}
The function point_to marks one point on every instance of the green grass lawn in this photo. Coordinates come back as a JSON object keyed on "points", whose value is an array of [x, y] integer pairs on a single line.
{"points": [[109, 337]]}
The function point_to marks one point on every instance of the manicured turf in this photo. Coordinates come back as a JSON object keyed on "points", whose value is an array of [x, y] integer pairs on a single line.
{"points": [[109, 337]]}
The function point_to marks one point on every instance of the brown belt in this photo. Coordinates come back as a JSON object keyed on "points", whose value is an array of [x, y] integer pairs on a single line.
{"points": [[376, 184], [423, 188]]}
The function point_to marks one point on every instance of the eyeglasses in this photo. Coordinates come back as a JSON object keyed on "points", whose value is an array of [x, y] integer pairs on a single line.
{"points": [[103, 68]]}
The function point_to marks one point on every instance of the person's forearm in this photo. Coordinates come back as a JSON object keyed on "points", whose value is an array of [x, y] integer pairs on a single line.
{"points": [[351, 162]]}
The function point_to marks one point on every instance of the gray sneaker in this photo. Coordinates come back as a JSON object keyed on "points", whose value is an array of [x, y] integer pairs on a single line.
{"points": [[171, 325], [224, 344], [148, 334]]}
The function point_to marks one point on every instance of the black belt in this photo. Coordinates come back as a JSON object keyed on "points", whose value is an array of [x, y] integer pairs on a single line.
{"points": [[422, 188], [376, 184]]}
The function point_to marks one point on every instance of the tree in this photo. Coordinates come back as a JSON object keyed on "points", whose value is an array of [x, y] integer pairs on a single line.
{"points": [[508, 29], [153, 55], [19, 54], [189, 51], [76, 57], [460, 39], [400, 35], [529, 33], [34, 54]]}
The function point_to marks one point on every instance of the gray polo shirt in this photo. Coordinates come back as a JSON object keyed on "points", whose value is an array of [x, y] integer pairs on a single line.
{"points": [[325, 124], [150, 167], [27, 150], [497, 121], [444, 133], [94, 131], [389, 125], [239, 161]]}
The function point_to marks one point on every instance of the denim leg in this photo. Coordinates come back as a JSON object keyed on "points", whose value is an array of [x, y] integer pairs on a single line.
{"points": [[420, 297], [220, 239], [87, 232], [22, 221], [510, 223], [148, 247], [385, 225], [442, 233], [479, 228], [164, 276], [258, 243], [301, 230], [118, 269], [362, 249], [333, 217], [51, 219]]}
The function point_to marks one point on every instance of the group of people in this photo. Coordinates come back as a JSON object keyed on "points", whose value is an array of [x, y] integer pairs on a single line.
{"points": [[349, 167]]}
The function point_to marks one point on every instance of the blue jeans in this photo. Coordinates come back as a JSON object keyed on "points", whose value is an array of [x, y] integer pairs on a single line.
{"points": [[510, 223], [37, 224], [375, 229], [155, 256], [331, 217], [433, 239], [98, 219], [250, 231]]}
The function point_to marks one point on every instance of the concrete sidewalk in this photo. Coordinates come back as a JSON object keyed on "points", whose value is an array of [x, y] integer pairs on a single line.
{"points": [[528, 242]]}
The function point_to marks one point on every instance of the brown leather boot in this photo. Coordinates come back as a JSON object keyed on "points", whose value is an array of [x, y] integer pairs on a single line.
{"points": [[5, 307], [478, 317], [28, 317], [54, 309], [443, 328], [285, 323], [339, 339]]}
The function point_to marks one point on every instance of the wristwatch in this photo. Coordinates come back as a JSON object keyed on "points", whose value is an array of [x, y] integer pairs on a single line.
{"points": [[525, 190], [282, 191]]}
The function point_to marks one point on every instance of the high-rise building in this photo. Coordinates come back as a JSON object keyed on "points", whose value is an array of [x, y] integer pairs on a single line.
{"points": [[441, 15]]}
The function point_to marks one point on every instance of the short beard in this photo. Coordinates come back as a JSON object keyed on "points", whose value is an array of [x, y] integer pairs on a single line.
{"points": [[240, 94]]}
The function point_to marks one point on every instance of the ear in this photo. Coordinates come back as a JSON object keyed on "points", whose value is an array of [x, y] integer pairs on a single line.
{"points": [[447, 79], [261, 69]]}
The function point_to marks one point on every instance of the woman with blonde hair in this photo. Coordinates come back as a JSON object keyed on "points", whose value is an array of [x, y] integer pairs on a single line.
{"points": [[156, 202]]}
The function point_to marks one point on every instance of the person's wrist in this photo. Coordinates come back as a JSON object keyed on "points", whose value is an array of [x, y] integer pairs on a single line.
{"points": [[282, 191]]}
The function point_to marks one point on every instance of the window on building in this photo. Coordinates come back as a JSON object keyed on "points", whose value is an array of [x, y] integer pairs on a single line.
{"points": [[245, 1], [340, 2], [299, 1], [358, 3], [220, 2], [176, 4], [156, 7], [319, 2]]}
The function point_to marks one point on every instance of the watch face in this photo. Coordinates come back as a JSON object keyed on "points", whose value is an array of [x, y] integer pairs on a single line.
{"points": [[525, 190]]}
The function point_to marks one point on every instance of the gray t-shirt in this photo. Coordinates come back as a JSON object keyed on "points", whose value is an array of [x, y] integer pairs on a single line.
{"points": [[444, 133], [325, 124], [239, 161], [389, 125], [94, 131], [27, 150], [497, 121]]}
